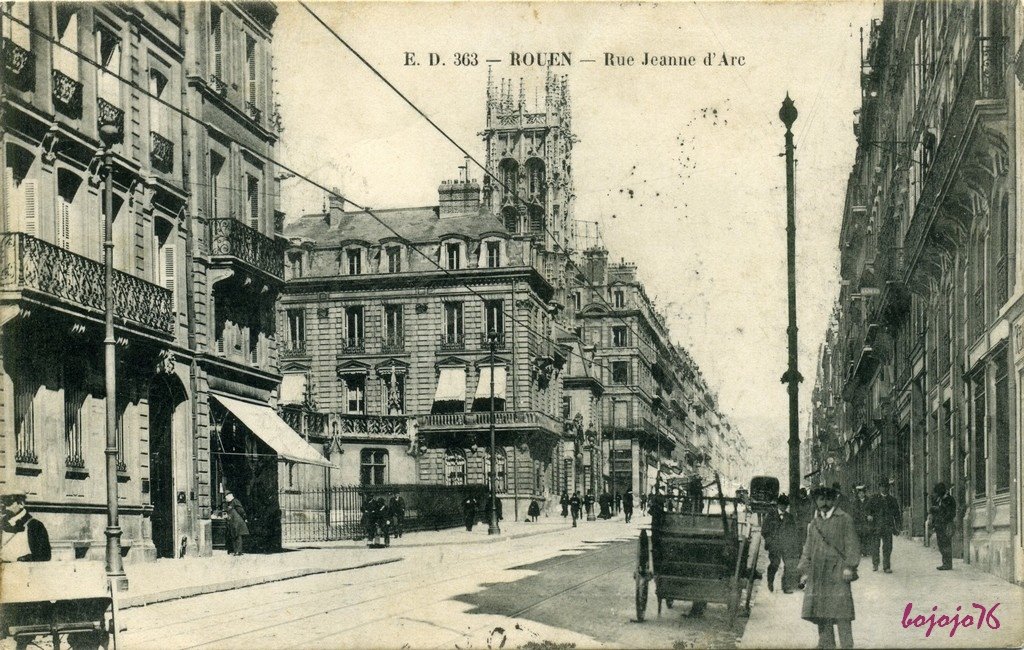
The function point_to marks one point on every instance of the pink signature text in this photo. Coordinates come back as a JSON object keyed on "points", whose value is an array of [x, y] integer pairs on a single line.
{"points": [[983, 616]]}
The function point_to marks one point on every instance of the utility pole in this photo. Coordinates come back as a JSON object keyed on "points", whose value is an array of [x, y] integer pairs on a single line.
{"points": [[115, 567], [492, 525], [792, 376]]}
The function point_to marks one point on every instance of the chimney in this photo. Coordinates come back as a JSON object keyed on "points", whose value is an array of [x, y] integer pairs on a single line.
{"points": [[595, 265], [459, 197], [335, 207]]}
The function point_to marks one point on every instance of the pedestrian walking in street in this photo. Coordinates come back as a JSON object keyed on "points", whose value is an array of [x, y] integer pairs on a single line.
{"points": [[533, 511], [695, 494], [627, 504], [575, 504], [863, 520], [782, 541], [618, 502], [804, 512], [396, 510], [643, 502], [237, 524], [23, 538], [564, 502], [469, 512], [943, 515], [842, 502], [656, 505], [827, 567], [888, 520], [382, 517], [605, 503]]}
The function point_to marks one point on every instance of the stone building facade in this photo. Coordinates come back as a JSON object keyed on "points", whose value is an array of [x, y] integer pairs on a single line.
{"points": [[141, 68], [921, 381]]}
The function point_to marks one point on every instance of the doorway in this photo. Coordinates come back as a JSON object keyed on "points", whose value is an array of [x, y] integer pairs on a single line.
{"points": [[161, 466]]}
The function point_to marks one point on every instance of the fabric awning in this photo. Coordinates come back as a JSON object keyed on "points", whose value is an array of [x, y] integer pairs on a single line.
{"points": [[268, 426], [451, 385], [483, 389]]}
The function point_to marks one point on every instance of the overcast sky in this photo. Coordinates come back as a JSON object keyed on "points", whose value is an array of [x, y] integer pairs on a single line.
{"points": [[679, 165]]}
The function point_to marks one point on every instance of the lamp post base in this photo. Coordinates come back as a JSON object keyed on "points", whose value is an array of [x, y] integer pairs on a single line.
{"points": [[493, 528], [591, 516]]}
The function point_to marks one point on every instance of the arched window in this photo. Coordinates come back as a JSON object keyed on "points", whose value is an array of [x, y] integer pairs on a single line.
{"points": [[501, 463], [508, 172], [454, 466]]}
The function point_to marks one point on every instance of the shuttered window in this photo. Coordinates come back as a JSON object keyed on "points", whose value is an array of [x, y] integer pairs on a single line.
{"points": [[216, 43], [253, 197], [168, 270], [250, 69]]}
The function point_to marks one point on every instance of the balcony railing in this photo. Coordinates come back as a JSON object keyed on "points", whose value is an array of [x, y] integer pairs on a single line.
{"points": [[371, 425], [452, 342], [482, 420], [393, 344], [992, 67], [67, 94], [230, 237], [353, 344], [30, 264], [19, 65], [294, 349], [161, 153], [218, 85], [485, 341], [108, 114], [253, 113]]}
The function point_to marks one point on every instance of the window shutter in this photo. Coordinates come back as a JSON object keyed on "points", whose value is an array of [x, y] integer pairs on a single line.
{"points": [[251, 62], [64, 224], [215, 18], [29, 206], [168, 267], [9, 200]]}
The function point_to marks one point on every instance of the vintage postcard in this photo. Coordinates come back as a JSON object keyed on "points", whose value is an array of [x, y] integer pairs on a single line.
{"points": [[538, 325]]}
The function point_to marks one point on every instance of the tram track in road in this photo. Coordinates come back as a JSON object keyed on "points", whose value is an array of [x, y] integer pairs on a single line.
{"points": [[380, 588]]}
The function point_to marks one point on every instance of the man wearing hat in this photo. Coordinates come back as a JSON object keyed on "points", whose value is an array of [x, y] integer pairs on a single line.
{"points": [[24, 538], [782, 541], [237, 524], [888, 519], [827, 567], [943, 512], [863, 520]]}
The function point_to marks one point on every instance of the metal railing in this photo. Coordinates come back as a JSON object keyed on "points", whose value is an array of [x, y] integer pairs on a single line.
{"points": [[452, 342], [108, 114], [485, 341], [327, 514], [252, 112], [28, 263], [67, 94], [482, 419], [161, 153], [392, 344], [230, 237], [19, 65]]}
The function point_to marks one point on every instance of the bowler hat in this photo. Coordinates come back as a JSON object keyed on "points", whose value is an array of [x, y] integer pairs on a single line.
{"points": [[13, 494], [783, 500], [825, 492]]}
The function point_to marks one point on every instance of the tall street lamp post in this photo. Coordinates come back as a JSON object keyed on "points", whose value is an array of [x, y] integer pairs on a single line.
{"points": [[109, 133], [792, 376], [492, 526]]}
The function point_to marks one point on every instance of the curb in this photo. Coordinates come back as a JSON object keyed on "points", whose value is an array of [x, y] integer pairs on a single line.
{"points": [[482, 540], [199, 590]]}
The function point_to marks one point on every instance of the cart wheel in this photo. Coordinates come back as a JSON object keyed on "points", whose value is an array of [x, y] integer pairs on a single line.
{"points": [[642, 575]]}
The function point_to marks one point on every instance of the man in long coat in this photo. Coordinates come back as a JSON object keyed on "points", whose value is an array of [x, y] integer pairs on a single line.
{"points": [[627, 504], [827, 568], [943, 513], [469, 512], [574, 505], [863, 520], [782, 541], [24, 538], [888, 520], [237, 526]]}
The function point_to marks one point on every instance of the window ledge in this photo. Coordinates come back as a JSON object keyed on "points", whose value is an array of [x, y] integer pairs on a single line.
{"points": [[76, 473], [28, 469]]}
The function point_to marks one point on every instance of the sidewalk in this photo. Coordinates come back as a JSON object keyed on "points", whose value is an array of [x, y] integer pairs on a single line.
{"points": [[880, 600], [163, 580]]}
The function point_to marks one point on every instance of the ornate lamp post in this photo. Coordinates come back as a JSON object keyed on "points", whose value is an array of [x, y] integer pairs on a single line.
{"points": [[110, 134], [595, 459], [492, 525], [792, 376]]}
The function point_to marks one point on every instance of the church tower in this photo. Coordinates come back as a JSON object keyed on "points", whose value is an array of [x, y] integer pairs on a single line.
{"points": [[529, 151]]}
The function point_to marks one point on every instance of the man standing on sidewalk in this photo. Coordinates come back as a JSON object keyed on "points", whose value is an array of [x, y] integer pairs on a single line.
{"points": [[888, 519], [863, 520], [574, 505], [827, 567], [627, 504], [782, 541], [469, 512], [943, 512]]}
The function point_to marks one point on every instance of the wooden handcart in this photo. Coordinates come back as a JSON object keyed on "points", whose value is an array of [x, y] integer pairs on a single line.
{"points": [[697, 556]]}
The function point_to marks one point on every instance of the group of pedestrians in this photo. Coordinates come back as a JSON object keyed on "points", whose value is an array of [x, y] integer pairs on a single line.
{"points": [[472, 509], [383, 514], [609, 505]]}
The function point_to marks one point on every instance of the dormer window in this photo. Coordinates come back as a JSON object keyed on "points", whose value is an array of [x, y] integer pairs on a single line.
{"points": [[394, 255], [618, 299], [493, 254], [453, 256], [354, 261]]}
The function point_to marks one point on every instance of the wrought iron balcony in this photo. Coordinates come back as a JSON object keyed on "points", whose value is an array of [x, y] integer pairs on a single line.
{"points": [[453, 342], [232, 238], [992, 67], [370, 425], [393, 344], [31, 265], [161, 153], [351, 344], [108, 114], [294, 349], [67, 94], [19, 66], [479, 420], [253, 113], [485, 341]]}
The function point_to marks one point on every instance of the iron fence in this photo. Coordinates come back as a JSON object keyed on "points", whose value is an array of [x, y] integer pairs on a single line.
{"points": [[327, 514]]}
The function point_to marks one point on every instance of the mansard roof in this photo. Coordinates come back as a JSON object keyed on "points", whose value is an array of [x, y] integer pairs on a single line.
{"points": [[415, 225]]}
